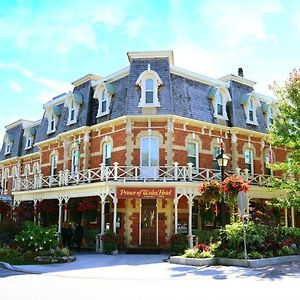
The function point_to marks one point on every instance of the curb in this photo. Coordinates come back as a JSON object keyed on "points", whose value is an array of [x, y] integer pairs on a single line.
{"points": [[10, 267]]}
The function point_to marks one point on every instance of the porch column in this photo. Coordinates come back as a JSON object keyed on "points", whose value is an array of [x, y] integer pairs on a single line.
{"points": [[100, 245], [176, 214], [115, 201], [286, 217], [35, 201], [60, 199], [66, 211], [293, 216], [190, 234]]}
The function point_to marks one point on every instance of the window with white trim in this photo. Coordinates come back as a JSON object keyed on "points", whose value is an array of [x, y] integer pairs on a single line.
{"points": [[216, 152], [107, 153], [250, 109], [249, 162], [103, 92], [270, 116], [193, 154], [7, 145], [36, 169], [27, 171], [75, 161], [29, 139], [103, 109], [267, 164], [149, 82], [72, 112], [51, 123], [5, 175], [53, 165], [14, 175], [219, 96]]}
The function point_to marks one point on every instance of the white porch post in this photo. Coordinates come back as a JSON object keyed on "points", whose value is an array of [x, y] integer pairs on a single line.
{"points": [[286, 217], [99, 247], [115, 201], [190, 235], [60, 199], [293, 217], [176, 214], [66, 211]]}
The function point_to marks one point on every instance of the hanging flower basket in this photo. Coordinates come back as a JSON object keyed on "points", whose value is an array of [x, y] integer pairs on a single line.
{"points": [[210, 191]]}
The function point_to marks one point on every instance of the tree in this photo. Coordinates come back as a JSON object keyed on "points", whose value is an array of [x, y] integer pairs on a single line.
{"points": [[286, 131]]}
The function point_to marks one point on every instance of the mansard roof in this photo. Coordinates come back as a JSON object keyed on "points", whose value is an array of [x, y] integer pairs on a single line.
{"points": [[182, 93]]}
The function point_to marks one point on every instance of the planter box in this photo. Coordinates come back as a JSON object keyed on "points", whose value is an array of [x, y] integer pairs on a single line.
{"points": [[251, 263], [193, 261]]}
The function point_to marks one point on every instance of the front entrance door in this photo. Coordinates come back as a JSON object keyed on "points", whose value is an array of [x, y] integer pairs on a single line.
{"points": [[149, 224]]}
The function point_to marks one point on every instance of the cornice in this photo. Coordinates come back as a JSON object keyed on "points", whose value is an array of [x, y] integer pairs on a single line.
{"points": [[152, 54], [239, 79]]}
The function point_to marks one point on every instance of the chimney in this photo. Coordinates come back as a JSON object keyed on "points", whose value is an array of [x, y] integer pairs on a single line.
{"points": [[241, 72]]}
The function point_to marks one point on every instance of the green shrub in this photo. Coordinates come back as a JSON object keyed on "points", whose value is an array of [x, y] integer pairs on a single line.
{"points": [[292, 233], [179, 243], [110, 242], [58, 252], [90, 238], [207, 236], [9, 255], [255, 255], [191, 253], [37, 238]]}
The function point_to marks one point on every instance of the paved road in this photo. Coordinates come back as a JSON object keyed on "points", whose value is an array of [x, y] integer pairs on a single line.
{"points": [[148, 277], [7, 273]]}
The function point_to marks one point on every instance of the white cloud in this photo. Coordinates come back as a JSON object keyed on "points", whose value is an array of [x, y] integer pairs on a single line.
{"points": [[4, 65], [15, 86], [55, 85], [239, 21], [27, 73], [133, 27]]}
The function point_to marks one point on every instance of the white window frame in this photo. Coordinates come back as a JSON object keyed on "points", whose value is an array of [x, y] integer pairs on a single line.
{"points": [[51, 122], [141, 81], [102, 94], [5, 176], [216, 94], [247, 108], [196, 145], [36, 169], [14, 176], [75, 161], [149, 171], [73, 109], [29, 139], [252, 171], [8, 145], [214, 154], [53, 165], [105, 153]]}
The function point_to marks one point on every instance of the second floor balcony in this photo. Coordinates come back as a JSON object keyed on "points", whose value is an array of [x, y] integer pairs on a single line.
{"points": [[116, 173]]}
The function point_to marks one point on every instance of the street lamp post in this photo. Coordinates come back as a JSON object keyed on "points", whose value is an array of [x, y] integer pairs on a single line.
{"points": [[222, 160]]}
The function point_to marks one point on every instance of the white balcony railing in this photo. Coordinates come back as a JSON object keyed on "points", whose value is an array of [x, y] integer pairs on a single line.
{"points": [[131, 173]]}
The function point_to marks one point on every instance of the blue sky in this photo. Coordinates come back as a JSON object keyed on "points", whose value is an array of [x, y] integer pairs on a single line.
{"points": [[45, 45]]}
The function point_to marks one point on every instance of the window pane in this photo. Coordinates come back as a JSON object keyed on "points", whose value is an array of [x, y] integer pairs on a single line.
{"points": [[154, 152], [145, 151], [251, 115], [191, 149], [103, 106], [192, 160], [219, 99], [149, 85], [220, 109], [149, 96], [72, 117]]}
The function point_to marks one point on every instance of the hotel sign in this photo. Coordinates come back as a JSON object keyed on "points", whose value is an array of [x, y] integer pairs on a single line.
{"points": [[145, 193]]}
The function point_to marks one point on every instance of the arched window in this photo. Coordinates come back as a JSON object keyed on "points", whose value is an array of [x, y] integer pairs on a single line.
{"points": [[5, 175], [27, 171], [14, 175], [193, 154], [249, 162], [72, 112], [51, 127], [149, 81], [251, 111], [36, 169], [220, 104], [149, 91], [106, 150], [149, 157], [53, 165], [75, 161], [103, 102]]}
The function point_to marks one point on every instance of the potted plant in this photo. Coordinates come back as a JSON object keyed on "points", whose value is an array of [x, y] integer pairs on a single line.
{"points": [[210, 191], [110, 242]]}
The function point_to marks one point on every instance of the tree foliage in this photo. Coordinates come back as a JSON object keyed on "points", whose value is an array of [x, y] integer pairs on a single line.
{"points": [[286, 132]]}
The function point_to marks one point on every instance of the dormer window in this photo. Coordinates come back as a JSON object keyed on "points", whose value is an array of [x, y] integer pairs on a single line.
{"points": [[8, 141], [28, 142], [149, 81], [51, 127], [149, 91], [250, 102], [73, 102], [270, 116], [103, 92], [219, 96], [251, 111]]}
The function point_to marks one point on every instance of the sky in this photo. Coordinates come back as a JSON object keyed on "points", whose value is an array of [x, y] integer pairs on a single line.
{"points": [[45, 45]]}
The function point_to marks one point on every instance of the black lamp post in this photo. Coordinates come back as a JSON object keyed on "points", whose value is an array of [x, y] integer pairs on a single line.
{"points": [[222, 160]]}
